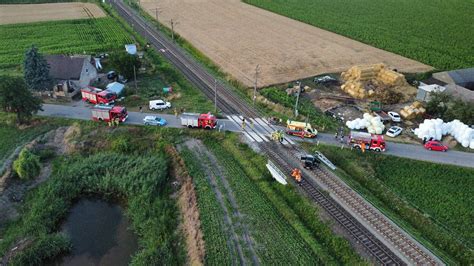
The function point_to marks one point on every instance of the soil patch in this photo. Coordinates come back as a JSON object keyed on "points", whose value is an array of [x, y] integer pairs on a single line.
{"points": [[237, 37], [11, 14]]}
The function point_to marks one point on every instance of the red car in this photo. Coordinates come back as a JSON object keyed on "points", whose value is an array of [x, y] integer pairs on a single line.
{"points": [[435, 146]]}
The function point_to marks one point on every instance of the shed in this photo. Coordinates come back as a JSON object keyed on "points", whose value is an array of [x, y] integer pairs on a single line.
{"points": [[424, 91], [131, 48], [116, 87]]}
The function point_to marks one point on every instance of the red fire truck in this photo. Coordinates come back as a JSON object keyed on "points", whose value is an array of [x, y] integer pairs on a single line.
{"points": [[207, 121], [109, 113], [98, 96], [367, 141]]}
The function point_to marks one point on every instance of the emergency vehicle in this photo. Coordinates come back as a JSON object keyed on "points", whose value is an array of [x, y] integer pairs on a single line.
{"points": [[207, 121], [98, 96], [300, 129], [367, 141], [109, 113]]}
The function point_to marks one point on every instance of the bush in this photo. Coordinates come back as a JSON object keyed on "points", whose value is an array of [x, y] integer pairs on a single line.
{"points": [[27, 166]]}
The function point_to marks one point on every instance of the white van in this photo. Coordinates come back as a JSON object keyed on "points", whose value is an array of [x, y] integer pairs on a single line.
{"points": [[159, 105]]}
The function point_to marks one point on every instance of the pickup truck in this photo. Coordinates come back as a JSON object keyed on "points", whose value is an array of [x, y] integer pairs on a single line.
{"points": [[384, 117]]}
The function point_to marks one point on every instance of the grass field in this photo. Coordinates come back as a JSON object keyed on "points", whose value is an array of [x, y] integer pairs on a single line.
{"points": [[437, 33], [12, 136], [55, 37], [436, 200], [297, 235]]}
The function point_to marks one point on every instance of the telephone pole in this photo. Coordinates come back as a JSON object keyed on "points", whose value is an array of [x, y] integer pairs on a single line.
{"points": [[135, 78], [215, 96], [255, 85], [157, 11], [297, 98], [173, 23]]}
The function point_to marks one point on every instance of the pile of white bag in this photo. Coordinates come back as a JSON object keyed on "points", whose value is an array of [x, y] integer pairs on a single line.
{"points": [[437, 128], [373, 124]]}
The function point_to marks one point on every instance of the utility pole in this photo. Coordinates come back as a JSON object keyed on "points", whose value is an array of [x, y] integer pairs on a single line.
{"points": [[157, 11], [173, 23], [297, 98], [255, 85], [215, 96], [135, 78]]}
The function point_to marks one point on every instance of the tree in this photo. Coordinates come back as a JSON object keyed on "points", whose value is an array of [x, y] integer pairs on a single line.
{"points": [[36, 71], [16, 98], [124, 63], [438, 104]]}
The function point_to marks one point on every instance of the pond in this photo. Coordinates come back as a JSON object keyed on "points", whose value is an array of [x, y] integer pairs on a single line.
{"points": [[99, 235]]}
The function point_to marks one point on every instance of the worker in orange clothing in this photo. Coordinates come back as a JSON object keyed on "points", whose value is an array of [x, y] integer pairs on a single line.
{"points": [[296, 173], [362, 146]]}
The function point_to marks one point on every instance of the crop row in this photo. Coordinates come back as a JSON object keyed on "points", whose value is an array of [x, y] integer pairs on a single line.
{"points": [[268, 205], [218, 249], [84, 36], [436, 33]]}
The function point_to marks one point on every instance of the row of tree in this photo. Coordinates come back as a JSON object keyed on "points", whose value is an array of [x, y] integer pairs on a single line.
{"points": [[448, 108]]}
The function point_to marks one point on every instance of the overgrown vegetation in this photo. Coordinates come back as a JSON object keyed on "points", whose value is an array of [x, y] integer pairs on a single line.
{"points": [[297, 233], [448, 108], [431, 38], [134, 172], [12, 136], [434, 201], [16, 98], [27, 166], [306, 108]]}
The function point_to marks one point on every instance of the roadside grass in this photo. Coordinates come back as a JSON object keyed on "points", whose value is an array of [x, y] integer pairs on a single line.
{"points": [[121, 165], [431, 201], [306, 109]]}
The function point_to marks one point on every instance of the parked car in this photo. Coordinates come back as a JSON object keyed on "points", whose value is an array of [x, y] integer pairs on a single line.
{"points": [[435, 146], [395, 116], [324, 79], [154, 121], [394, 131], [332, 114], [159, 105]]}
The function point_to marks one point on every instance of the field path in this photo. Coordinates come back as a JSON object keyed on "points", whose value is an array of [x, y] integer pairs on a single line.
{"points": [[217, 175], [237, 37], [11, 14]]}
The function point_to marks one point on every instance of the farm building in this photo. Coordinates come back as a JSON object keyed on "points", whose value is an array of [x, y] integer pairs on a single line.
{"points": [[459, 83], [424, 91], [116, 87], [70, 74]]}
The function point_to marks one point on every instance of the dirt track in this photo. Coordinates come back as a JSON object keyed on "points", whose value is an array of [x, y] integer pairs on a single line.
{"points": [[10, 14], [237, 37]]}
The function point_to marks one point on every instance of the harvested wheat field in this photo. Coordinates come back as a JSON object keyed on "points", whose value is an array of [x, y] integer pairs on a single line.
{"points": [[10, 14], [237, 37]]}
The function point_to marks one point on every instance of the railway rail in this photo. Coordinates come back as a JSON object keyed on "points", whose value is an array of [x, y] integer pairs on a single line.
{"points": [[230, 103]]}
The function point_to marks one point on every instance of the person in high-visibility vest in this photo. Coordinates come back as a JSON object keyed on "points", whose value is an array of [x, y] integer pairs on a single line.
{"points": [[362, 146], [243, 123]]}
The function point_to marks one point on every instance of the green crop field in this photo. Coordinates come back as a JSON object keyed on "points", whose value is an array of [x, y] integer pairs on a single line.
{"points": [[437, 33], [435, 199], [59, 37], [297, 235]]}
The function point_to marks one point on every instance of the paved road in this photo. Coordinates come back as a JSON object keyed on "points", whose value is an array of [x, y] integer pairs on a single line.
{"points": [[397, 149]]}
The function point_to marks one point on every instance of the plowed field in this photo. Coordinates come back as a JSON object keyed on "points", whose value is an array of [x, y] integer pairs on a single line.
{"points": [[237, 37], [10, 14]]}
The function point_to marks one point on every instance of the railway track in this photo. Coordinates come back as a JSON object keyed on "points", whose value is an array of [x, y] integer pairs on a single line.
{"points": [[230, 103]]}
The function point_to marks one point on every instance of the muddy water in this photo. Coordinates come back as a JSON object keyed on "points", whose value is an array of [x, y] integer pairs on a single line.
{"points": [[99, 234]]}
